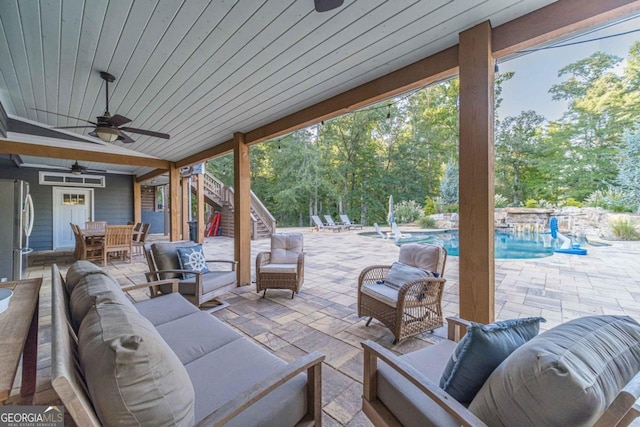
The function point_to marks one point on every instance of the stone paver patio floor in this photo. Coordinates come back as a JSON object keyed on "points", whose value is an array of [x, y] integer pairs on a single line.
{"points": [[323, 316]]}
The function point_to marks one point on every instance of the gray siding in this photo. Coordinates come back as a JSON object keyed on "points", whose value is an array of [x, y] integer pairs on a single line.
{"points": [[113, 204]]}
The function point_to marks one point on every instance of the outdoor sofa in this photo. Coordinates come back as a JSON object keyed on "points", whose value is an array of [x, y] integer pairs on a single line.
{"points": [[162, 361], [584, 372]]}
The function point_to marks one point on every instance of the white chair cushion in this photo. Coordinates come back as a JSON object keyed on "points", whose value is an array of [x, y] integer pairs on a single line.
{"points": [[279, 268], [426, 257], [383, 293], [285, 248]]}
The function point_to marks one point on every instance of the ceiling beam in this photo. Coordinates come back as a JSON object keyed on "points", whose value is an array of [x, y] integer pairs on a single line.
{"points": [[556, 20], [209, 153], [26, 149], [150, 175]]}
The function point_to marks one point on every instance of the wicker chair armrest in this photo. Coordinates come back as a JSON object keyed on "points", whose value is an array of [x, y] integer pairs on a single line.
{"points": [[263, 258], [373, 274], [374, 351], [247, 398], [420, 289]]}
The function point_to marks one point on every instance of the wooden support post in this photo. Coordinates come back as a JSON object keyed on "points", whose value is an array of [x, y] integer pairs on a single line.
{"points": [[186, 193], [174, 203], [200, 198], [137, 201], [477, 277], [242, 208]]}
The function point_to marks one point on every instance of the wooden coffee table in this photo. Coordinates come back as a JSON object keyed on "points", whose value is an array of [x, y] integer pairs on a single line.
{"points": [[19, 337]]}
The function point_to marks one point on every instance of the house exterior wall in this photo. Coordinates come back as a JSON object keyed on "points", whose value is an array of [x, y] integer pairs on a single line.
{"points": [[113, 204]]}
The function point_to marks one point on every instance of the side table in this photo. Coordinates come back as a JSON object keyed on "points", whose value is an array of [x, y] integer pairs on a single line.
{"points": [[19, 337]]}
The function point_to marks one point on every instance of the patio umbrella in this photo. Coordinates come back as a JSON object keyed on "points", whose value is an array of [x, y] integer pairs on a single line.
{"points": [[391, 215]]}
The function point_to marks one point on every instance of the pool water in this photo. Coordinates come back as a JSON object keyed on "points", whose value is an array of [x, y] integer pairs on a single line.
{"points": [[508, 244]]}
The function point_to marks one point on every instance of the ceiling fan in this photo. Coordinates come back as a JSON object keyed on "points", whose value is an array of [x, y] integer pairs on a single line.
{"points": [[327, 5], [78, 169], [107, 127]]}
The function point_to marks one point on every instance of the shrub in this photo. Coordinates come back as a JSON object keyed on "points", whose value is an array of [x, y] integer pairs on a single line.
{"points": [[427, 222], [407, 211], [531, 204], [542, 203], [624, 229], [613, 199], [500, 201], [429, 206], [573, 202], [451, 208]]}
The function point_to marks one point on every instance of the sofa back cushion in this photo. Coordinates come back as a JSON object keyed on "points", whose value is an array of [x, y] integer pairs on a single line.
{"points": [[78, 271], [479, 353], [426, 257], [165, 256], [84, 294], [132, 375], [285, 248], [565, 376]]}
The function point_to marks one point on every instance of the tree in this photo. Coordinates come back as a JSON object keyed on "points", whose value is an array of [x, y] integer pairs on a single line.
{"points": [[629, 172], [449, 184], [518, 146]]}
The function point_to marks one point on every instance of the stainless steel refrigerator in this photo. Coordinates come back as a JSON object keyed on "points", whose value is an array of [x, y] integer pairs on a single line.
{"points": [[16, 223]]}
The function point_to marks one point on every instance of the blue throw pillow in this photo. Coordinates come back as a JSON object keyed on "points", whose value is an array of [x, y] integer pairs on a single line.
{"points": [[192, 258], [479, 353]]}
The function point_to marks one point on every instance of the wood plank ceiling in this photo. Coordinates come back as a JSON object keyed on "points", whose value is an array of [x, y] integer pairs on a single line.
{"points": [[201, 70]]}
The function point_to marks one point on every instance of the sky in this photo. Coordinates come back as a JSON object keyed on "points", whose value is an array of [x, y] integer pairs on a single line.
{"points": [[536, 72]]}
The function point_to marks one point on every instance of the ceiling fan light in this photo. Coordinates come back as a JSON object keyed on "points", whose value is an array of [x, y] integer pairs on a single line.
{"points": [[107, 134]]}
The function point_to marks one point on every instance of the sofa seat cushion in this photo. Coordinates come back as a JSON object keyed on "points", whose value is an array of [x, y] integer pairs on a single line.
{"points": [[165, 308], [165, 256], [406, 401], [566, 376], [381, 292], [78, 271], [84, 295], [279, 268], [211, 281], [193, 336], [132, 375], [480, 351], [245, 364]]}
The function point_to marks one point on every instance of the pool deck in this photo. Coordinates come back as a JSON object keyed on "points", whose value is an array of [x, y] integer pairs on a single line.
{"points": [[322, 317]]}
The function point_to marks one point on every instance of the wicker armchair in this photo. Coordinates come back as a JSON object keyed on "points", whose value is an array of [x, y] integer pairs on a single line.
{"points": [[416, 306], [283, 266]]}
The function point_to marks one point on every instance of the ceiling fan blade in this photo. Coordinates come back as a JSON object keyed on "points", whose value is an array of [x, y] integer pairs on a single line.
{"points": [[64, 115], [146, 132], [94, 134], [126, 139], [119, 120], [72, 127]]}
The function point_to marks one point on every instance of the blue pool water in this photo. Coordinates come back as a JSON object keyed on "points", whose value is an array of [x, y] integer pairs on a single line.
{"points": [[508, 245]]}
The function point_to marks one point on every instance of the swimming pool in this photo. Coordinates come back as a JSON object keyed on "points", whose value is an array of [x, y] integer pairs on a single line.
{"points": [[508, 244]]}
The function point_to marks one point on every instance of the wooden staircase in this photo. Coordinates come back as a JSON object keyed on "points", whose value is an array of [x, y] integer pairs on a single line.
{"points": [[220, 197]]}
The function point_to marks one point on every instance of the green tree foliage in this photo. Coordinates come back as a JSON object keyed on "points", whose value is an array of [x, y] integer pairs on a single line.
{"points": [[629, 172], [518, 152], [449, 184]]}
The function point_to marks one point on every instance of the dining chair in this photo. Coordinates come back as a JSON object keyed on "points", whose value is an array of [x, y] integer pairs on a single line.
{"points": [[140, 238], [119, 239], [85, 248], [95, 225]]}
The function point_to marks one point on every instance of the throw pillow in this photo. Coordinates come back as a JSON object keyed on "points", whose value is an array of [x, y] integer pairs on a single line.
{"points": [[402, 273], [566, 376], [480, 351], [192, 259]]}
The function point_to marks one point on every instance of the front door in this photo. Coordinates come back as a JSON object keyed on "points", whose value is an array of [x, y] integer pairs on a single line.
{"points": [[70, 205]]}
